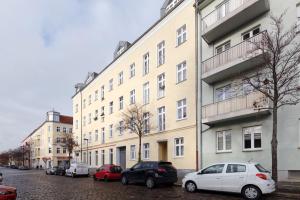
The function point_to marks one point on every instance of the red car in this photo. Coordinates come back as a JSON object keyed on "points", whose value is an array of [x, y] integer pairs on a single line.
{"points": [[108, 172], [7, 193]]}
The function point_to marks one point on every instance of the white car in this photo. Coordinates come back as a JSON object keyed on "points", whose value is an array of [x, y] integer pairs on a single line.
{"points": [[78, 169], [249, 179]]}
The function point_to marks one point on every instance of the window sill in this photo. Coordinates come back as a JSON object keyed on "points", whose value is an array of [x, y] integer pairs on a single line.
{"points": [[178, 45], [252, 150], [178, 157], [177, 83], [178, 120], [160, 64], [227, 151], [158, 98]]}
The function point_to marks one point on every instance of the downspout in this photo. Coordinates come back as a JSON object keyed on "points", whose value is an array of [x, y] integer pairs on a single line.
{"points": [[80, 126]]}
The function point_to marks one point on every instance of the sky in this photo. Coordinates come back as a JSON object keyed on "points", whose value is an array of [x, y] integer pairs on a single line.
{"points": [[47, 46]]}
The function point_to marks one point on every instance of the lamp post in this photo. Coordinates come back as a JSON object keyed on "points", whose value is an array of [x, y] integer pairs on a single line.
{"points": [[87, 148]]}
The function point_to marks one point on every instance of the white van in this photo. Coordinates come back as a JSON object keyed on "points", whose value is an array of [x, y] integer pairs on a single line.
{"points": [[78, 169]]}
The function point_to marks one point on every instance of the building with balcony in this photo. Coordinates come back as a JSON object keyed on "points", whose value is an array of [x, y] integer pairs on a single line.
{"points": [[156, 71], [235, 124], [45, 144]]}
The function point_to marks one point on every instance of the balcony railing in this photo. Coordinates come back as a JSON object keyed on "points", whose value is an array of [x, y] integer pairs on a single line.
{"points": [[241, 50], [221, 12], [254, 100]]}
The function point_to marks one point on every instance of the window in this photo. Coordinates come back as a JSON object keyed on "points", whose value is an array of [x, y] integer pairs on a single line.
{"points": [[223, 141], [84, 104], [161, 53], [103, 135], [224, 93], [90, 158], [96, 115], [252, 138], [132, 70], [102, 92], [96, 158], [146, 93], [120, 81], [84, 120], [58, 140], [146, 151], [76, 108], [161, 85], [251, 33], [70, 130], [111, 84], [181, 35], [103, 157], [181, 109], [132, 152], [90, 99], [121, 127], [96, 95], [90, 118], [64, 150], [96, 135], [58, 129], [146, 117], [49, 139], [64, 129], [235, 168], [111, 107], [90, 137], [215, 169], [247, 88], [181, 72], [179, 147], [223, 47], [111, 156], [222, 9], [58, 150], [121, 102], [50, 150], [76, 124], [132, 97], [161, 118], [146, 64], [111, 130]]}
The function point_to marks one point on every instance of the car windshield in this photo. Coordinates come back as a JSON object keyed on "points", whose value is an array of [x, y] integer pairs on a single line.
{"points": [[116, 169], [261, 168]]}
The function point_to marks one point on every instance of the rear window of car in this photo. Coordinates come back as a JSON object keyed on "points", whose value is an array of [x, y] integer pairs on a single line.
{"points": [[235, 168], [166, 165], [116, 169], [261, 168]]}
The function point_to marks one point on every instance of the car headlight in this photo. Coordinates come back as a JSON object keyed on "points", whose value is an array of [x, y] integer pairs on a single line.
{"points": [[2, 193]]}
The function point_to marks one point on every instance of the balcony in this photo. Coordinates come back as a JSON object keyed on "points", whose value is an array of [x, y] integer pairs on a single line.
{"points": [[231, 15], [235, 60], [239, 107]]}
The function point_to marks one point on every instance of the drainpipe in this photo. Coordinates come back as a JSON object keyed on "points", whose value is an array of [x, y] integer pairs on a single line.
{"points": [[80, 126]]}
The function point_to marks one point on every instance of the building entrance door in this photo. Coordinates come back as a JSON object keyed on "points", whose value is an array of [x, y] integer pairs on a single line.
{"points": [[122, 157], [163, 151]]}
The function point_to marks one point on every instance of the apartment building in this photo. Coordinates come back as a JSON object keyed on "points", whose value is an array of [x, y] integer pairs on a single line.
{"points": [[46, 142], [158, 70], [233, 129]]}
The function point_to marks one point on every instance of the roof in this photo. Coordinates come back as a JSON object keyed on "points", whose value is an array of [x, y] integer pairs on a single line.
{"points": [[66, 119]]}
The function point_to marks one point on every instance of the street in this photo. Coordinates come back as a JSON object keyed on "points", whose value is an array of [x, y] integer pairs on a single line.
{"points": [[35, 185]]}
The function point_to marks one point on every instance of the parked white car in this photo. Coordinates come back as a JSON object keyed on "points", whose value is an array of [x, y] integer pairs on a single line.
{"points": [[78, 169], [249, 179]]}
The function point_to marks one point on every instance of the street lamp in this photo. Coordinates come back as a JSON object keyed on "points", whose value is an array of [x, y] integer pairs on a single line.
{"points": [[87, 148]]}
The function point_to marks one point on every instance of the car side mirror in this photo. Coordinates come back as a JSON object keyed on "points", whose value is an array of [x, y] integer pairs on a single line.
{"points": [[199, 173]]}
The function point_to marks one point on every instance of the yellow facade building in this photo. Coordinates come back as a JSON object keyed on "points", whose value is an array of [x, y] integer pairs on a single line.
{"points": [[157, 70]]}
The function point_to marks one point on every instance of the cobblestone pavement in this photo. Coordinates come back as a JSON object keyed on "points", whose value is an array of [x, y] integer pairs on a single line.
{"points": [[36, 185]]}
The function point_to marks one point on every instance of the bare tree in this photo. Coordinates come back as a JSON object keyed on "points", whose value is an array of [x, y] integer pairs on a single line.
{"points": [[278, 77], [4, 158], [136, 119], [70, 143]]}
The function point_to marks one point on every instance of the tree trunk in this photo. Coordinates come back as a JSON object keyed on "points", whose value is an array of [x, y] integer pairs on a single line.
{"points": [[140, 147], [274, 144], [69, 160]]}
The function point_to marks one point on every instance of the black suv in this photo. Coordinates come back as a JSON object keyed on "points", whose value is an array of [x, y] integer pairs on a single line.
{"points": [[150, 173]]}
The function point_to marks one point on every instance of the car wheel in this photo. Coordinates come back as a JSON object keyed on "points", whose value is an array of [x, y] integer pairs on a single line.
{"points": [[150, 183], [47, 173], [73, 175], [190, 186], [124, 180], [251, 192], [106, 179]]}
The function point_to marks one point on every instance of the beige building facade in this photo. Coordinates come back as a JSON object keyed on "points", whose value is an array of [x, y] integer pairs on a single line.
{"points": [[158, 70], [46, 143]]}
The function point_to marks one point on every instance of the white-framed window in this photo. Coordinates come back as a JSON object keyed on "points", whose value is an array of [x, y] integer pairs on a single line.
{"points": [[224, 141], [103, 157], [49, 150], [161, 118], [181, 35], [146, 151], [90, 118], [84, 121], [121, 102], [181, 109], [49, 128], [222, 9], [58, 129], [132, 70], [96, 158], [76, 124], [223, 47], [111, 126], [103, 135], [146, 93], [76, 108], [132, 152], [251, 33], [181, 72], [179, 147], [64, 130], [58, 150], [161, 53], [96, 135], [252, 138], [64, 150], [96, 115], [224, 93], [70, 130], [84, 104], [96, 95], [121, 127], [111, 107], [102, 92], [132, 97], [146, 64], [111, 156], [161, 85], [121, 78], [111, 84], [146, 118], [90, 99], [90, 137]]}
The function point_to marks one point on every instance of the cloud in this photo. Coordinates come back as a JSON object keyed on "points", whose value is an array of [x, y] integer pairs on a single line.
{"points": [[48, 46]]}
